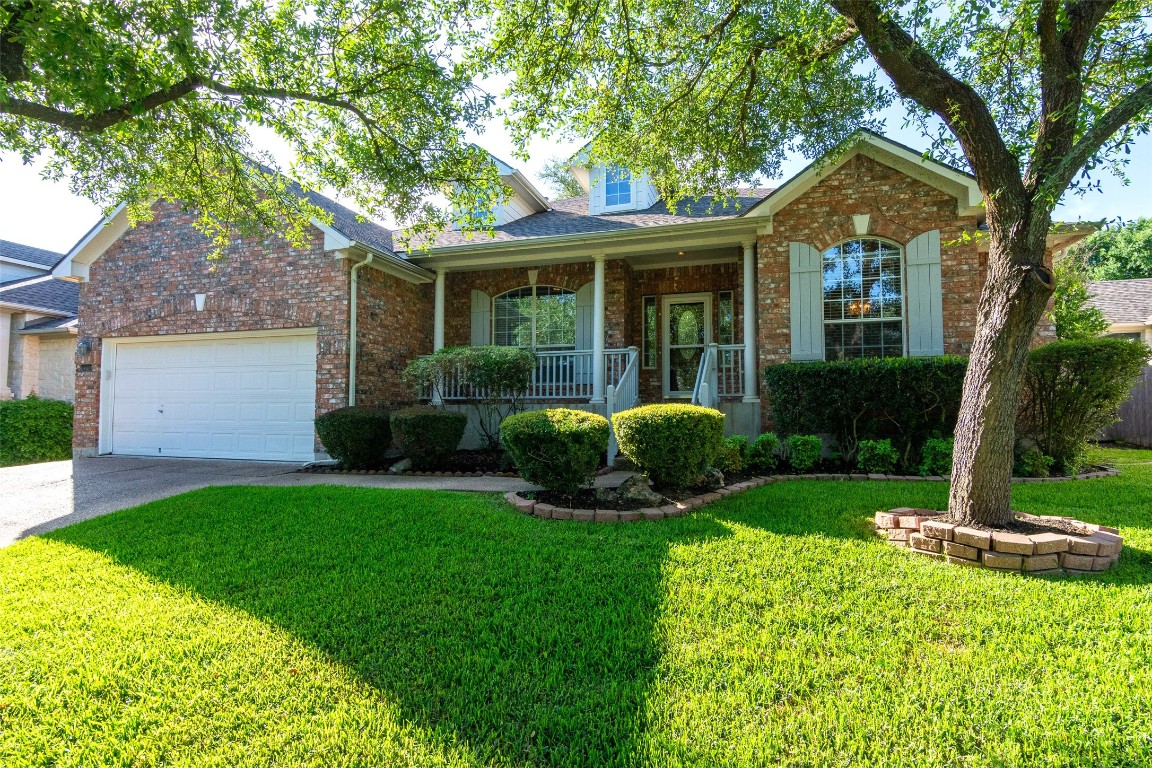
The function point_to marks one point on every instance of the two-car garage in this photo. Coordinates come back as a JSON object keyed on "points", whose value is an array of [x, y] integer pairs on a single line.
{"points": [[248, 395]]}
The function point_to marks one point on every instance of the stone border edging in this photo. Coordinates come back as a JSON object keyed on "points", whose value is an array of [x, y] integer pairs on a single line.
{"points": [[921, 531], [1107, 472], [333, 471], [675, 509]]}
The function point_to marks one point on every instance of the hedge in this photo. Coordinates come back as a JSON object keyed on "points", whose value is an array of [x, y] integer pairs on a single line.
{"points": [[34, 430], [427, 436], [906, 400], [559, 448], [355, 436], [673, 444]]}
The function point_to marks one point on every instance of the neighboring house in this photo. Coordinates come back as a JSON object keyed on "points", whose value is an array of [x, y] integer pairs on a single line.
{"points": [[37, 325], [1127, 306], [624, 300]]}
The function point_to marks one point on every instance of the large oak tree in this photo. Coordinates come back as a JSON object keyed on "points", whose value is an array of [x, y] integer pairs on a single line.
{"points": [[133, 100], [1029, 94]]}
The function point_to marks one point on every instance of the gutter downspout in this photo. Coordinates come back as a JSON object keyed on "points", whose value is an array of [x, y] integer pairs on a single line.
{"points": [[352, 346]]}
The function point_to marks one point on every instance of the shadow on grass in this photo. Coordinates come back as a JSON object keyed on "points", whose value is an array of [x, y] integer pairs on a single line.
{"points": [[523, 639]]}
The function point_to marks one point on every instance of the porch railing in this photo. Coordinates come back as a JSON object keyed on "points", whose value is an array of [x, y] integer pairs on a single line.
{"points": [[623, 395], [721, 374], [559, 375]]}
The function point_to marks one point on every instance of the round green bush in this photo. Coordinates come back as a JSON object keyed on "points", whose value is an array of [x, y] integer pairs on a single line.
{"points": [[427, 436], [937, 456], [35, 430], [876, 457], [764, 455], [804, 451], [355, 436], [559, 448], [732, 458], [673, 444]]}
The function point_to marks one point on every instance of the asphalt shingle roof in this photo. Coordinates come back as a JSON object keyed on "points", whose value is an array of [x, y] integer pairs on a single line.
{"points": [[51, 324], [1123, 301], [39, 256], [44, 293], [570, 217]]}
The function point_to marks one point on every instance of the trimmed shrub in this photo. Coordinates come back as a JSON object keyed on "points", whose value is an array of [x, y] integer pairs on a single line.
{"points": [[905, 399], [355, 436], [937, 456], [764, 455], [804, 451], [876, 457], [733, 455], [1033, 463], [427, 436], [672, 443], [34, 430], [494, 382], [1072, 391], [559, 448]]}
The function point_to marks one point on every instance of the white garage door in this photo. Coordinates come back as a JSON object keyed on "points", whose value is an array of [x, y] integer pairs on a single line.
{"points": [[220, 398]]}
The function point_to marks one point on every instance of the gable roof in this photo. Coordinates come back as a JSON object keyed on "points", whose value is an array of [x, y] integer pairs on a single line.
{"points": [[569, 216], [953, 181], [1123, 301], [43, 294], [25, 253]]}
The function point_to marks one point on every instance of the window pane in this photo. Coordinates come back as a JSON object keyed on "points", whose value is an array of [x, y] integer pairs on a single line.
{"points": [[555, 315], [725, 332], [649, 340], [617, 186], [513, 319], [862, 286]]}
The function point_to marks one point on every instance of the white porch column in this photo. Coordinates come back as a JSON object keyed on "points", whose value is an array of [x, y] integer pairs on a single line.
{"points": [[750, 367], [5, 348], [598, 333], [438, 313]]}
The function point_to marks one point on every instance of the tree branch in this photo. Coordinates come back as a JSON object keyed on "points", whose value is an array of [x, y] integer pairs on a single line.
{"points": [[918, 76], [100, 121], [1127, 109]]}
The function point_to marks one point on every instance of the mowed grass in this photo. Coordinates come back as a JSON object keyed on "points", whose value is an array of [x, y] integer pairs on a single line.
{"points": [[335, 626]]}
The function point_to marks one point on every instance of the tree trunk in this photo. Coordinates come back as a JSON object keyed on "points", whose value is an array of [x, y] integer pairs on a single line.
{"points": [[1013, 300]]}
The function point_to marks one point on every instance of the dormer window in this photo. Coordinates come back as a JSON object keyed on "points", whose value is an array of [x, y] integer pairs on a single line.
{"points": [[617, 186]]}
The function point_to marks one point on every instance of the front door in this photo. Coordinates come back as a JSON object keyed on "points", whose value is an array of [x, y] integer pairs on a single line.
{"points": [[687, 329]]}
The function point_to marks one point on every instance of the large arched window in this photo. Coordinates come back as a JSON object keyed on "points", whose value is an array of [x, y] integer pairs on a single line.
{"points": [[537, 317], [863, 300]]}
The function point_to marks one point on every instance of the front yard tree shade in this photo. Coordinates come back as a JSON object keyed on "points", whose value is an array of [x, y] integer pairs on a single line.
{"points": [[1033, 96], [133, 101]]}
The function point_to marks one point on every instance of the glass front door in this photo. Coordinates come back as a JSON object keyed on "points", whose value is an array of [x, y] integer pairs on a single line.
{"points": [[687, 329]]}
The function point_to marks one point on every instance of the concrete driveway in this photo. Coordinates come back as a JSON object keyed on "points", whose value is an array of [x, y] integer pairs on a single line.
{"points": [[40, 497]]}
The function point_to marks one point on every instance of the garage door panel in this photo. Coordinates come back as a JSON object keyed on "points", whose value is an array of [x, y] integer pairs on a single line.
{"points": [[248, 397]]}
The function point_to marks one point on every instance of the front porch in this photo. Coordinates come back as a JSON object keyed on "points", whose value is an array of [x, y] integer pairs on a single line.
{"points": [[612, 333]]}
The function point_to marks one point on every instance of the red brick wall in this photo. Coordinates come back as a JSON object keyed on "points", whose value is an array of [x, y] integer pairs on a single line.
{"points": [[394, 326], [144, 286]]}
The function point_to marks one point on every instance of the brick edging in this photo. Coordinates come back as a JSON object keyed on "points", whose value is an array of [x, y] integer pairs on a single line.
{"points": [[1106, 472], [922, 531], [676, 509]]}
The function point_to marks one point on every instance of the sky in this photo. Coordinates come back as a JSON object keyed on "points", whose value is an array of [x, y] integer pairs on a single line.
{"points": [[45, 214]]}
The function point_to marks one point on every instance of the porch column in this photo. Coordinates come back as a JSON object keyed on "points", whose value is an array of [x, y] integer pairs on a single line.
{"points": [[750, 372], [438, 313], [598, 332], [5, 346]]}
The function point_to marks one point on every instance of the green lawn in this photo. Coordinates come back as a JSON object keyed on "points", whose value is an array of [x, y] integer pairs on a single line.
{"points": [[337, 626]]}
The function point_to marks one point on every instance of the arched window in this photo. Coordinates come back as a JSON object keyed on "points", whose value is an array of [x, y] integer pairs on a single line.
{"points": [[537, 317], [863, 300]]}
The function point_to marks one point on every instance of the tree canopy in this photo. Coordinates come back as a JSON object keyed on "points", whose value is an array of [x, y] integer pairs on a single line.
{"points": [[1121, 252], [560, 179], [136, 100], [1072, 313]]}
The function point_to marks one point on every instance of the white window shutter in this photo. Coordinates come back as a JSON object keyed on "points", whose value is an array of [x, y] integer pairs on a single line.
{"points": [[806, 291], [584, 316], [924, 299], [481, 319]]}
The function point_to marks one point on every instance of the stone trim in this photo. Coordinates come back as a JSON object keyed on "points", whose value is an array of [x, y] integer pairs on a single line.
{"points": [[922, 531], [676, 509]]}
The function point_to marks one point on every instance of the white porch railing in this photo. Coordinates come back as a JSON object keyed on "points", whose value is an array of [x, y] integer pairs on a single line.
{"points": [[721, 374], [623, 395], [559, 375]]}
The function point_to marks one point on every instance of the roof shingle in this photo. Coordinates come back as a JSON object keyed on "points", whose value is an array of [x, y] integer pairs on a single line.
{"points": [[1123, 301], [20, 252], [44, 293]]}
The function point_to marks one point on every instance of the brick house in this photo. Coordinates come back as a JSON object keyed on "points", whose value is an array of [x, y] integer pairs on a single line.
{"points": [[623, 299]]}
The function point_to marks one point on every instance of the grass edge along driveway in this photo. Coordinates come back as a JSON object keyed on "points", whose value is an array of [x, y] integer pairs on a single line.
{"points": [[339, 626]]}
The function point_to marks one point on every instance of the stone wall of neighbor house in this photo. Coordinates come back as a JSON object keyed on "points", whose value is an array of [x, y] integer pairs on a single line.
{"points": [[394, 326], [144, 285], [44, 366]]}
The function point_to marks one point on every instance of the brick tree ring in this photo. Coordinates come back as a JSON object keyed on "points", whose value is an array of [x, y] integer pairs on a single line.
{"points": [[1091, 549]]}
